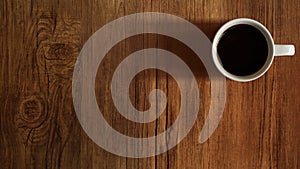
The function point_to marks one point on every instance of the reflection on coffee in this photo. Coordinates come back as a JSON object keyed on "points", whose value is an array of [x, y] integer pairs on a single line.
{"points": [[243, 50]]}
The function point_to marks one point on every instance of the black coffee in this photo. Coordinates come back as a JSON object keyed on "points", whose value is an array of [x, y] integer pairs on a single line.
{"points": [[243, 50]]}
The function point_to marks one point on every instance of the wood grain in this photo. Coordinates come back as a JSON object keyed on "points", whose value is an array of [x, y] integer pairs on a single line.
{"points": [[40, 42]]}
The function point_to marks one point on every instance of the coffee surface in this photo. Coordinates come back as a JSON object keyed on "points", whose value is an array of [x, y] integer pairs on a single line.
{"points": [[243, 50]]}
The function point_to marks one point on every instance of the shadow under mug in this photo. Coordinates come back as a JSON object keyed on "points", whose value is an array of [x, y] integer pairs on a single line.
{"points": [[273, 50]]}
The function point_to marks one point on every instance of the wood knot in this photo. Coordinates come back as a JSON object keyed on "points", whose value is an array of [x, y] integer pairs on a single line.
{"points": [[31, 112], [59, 51], [59, 58]]}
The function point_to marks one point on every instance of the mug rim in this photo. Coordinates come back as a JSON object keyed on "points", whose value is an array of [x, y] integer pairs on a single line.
{"points": [[270, 43]]}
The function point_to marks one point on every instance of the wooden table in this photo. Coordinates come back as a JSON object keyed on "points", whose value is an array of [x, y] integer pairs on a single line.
{"points": [[41, 40]]}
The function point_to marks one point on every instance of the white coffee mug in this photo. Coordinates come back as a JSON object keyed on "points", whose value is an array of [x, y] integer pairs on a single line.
{"points": [[273, 50]]}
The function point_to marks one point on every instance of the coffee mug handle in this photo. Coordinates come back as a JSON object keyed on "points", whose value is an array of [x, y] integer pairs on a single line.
{"points": [[284, 50]]}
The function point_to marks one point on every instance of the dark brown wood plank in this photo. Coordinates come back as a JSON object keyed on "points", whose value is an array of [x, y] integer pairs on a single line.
{"points": [[40, 42]]}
